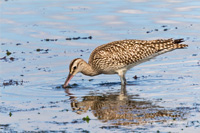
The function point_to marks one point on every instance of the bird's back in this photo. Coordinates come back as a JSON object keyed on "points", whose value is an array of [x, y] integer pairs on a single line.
{"points": [[109, 57]]}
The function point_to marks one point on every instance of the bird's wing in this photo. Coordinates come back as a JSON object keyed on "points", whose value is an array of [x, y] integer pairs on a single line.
{"points": [[119, 54]]}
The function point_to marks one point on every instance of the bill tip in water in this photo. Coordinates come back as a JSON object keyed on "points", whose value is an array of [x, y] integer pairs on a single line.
{"points": [[67, 80]]}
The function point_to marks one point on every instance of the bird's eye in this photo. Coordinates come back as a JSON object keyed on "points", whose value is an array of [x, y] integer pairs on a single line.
{"points": [[74, 67]]}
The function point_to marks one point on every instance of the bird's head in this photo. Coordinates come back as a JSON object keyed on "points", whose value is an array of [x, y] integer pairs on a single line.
{"points": [[74, 67]]}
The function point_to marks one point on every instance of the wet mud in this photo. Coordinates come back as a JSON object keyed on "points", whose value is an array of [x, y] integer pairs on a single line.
{"points": [[77, 38], [12, 82]]}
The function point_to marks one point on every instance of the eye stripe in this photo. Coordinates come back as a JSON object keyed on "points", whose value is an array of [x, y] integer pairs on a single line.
{"points": [[72, 63]]}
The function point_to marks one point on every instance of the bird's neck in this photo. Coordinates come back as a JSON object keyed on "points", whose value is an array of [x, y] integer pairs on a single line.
{"points": [[88, 70]]}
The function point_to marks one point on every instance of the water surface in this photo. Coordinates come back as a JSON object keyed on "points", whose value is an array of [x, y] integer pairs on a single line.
{"points": [[38, 39]]}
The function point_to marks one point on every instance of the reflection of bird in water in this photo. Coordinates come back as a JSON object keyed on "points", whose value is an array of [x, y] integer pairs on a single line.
{"points": [[124, 109], [119, 56]]}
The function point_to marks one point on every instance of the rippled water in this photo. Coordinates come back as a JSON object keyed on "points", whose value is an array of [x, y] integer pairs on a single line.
{"points": [[36, 50]]}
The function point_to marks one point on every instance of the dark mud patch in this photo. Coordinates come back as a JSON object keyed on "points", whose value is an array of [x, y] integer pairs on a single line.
{"points": [[58, 87], [135, 77], [61, 87], [65, 123], [87, 50], [45, 69], [8, 59], [47, 40], [81, 130], [4, 126], [109, 127], [72, 85], [163, 28], [58, 123], [12, 82], [56, 102], [64, 110], [77, 38], [90, 80], [109, 84], [43, 51], [198, 63], [18, 44]]}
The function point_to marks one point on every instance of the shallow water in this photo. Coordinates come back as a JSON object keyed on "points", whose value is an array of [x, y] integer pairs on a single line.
{"points": [[38, 39]]}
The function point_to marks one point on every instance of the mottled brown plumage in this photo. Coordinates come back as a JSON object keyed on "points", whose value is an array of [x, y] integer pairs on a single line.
{"points": [[119, 56]]}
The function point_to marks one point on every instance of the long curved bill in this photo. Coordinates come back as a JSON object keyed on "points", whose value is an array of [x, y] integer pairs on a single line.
{"points": [[70, 76]]}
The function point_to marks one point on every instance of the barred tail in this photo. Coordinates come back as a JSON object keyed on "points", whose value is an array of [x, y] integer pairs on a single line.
{"points": [[177, 41], [177, 45]]}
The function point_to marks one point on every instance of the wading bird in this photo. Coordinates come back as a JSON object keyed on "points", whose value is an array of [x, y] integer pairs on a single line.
{"points": [[119, 56]]}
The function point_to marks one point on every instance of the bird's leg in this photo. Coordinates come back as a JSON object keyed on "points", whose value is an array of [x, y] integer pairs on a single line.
{"points": [[123, 83], [123, 79]]}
